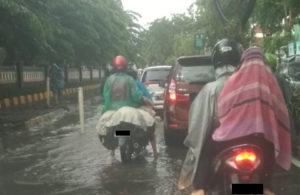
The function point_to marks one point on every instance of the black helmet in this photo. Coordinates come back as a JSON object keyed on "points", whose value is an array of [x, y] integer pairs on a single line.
{"points": [[226, 52]]}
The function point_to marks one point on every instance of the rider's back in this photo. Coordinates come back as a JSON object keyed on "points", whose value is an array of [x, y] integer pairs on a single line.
{"points": [[120, 90]]}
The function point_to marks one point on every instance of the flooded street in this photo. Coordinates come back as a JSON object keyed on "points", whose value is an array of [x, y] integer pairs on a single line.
{"points": [[58, 159]]}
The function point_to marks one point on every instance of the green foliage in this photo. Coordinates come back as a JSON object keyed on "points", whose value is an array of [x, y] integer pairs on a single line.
{"points": [[274, 42], [271, 59], [269, 14], [276, 18], [184, 44], [167, 39], [66, 31], [211, 25]]}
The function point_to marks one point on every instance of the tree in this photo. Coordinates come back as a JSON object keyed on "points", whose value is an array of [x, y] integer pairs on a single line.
{"points": [[66, 31], [214, 28], [276, 18], [167, 39], [270, 15], [22, 34]]}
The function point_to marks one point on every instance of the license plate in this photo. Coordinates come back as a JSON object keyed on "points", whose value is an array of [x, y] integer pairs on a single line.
{"points": [[159, 97], [122, 133]]}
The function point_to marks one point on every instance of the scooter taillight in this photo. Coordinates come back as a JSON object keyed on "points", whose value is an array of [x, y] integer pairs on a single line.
{"points": [[245, 160]]}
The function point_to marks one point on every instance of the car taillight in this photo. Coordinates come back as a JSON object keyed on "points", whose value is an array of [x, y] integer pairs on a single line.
{"points": [[245, 160], [176, 97], [172, 97], [172, 86], [172, 91], [173, 125]]}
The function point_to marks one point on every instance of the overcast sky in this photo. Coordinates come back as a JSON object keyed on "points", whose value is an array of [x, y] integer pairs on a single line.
{"points": [[153, 9]]}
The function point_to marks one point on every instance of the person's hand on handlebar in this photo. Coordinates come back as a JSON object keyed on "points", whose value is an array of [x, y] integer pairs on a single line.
{"points": [[147, 102]]}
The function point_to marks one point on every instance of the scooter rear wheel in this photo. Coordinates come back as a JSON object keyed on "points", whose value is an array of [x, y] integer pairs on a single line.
{"points": [[125, 152]]}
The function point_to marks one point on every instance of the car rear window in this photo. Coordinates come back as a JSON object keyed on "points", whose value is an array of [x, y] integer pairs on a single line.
{"points": [[196, 73], [156, 75]]}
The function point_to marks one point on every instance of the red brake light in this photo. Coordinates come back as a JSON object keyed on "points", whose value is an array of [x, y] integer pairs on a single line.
{"points": [[182, 97], [173, 125], [172, 91], [246, 160], [176, 97], [172, 86], [172, 97], [248, 156]]}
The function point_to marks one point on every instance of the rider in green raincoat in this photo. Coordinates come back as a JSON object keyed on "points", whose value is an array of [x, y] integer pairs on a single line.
{"points": [[120, 90]]}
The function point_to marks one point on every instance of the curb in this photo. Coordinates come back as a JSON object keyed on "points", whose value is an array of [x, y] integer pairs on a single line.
{"points": [[57, 114], [45, 119], [41, 96]]}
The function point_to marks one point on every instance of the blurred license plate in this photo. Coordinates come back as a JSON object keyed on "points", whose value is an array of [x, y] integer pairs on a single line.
{"points": [[122, 133], [159, 97]]}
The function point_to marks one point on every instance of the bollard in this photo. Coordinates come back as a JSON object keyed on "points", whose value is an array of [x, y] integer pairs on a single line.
{"points": [[81, 108], [48, 91]]}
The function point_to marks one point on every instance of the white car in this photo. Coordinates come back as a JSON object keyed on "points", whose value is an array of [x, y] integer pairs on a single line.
{"points": [[139, 73], [154, 78]]}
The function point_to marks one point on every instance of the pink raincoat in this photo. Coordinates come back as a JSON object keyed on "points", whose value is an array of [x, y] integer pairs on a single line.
{"points": [[251, 102]]}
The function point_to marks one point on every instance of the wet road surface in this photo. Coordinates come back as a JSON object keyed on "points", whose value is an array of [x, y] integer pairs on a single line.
{"points": [[57, 159]]}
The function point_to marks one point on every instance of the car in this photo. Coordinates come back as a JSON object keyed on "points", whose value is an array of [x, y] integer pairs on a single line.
{"points": [[154, 78], [289, 68], [186, 78], [139, 73]]}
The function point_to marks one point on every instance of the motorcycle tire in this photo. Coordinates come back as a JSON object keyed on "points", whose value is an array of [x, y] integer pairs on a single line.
{"points": [[126, 153]]}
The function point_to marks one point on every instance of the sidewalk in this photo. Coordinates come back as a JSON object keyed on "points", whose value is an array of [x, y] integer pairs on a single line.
{"points": [[38, 113]]}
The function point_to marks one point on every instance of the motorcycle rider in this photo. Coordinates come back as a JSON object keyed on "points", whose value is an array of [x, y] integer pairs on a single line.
{"points": [[119, 91], [203, 118], [149, 109], [253, 97], [251, 109], [139, 84]]}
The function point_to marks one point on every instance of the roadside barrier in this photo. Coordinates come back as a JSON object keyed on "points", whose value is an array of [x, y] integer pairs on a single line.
{"points": [[36, 97], [22, 100]]}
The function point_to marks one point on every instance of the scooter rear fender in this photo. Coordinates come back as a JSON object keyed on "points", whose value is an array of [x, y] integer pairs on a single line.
{"points": [[122, 140]]}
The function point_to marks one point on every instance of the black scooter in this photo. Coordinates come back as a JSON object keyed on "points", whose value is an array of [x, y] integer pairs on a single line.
{"points": [[237, 170], [132, 141]]}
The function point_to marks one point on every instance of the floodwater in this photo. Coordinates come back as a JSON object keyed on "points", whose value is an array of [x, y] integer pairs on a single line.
{"points": [[57, 159]]}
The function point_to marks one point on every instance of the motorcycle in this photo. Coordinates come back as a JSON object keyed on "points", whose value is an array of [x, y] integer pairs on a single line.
{"points": [[238, 170], [131, 140]]}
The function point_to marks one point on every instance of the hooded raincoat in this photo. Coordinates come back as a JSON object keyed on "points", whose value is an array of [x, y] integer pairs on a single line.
{"points": [[122, 101], [120, 90], [253, 98], [203, 120]]}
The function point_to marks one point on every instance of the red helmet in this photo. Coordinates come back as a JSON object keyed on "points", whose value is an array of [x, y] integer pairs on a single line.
{"points": [[119, 63]]}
